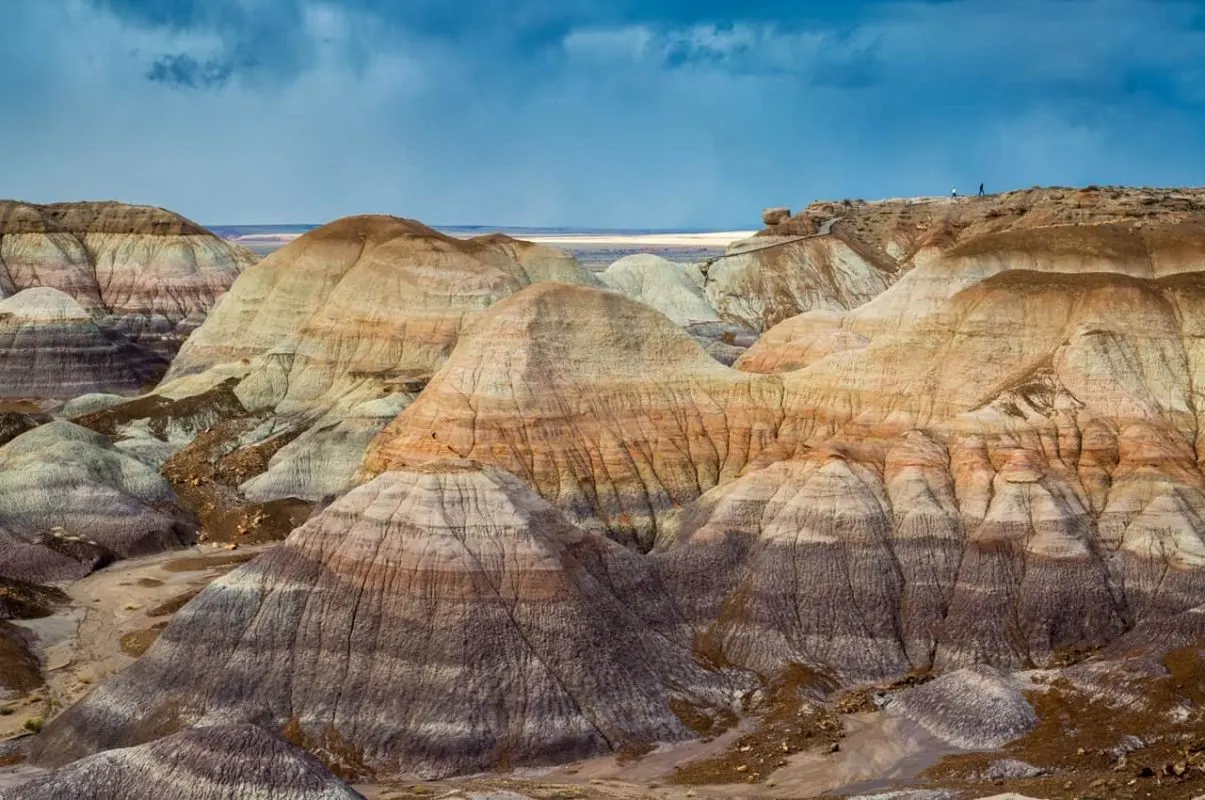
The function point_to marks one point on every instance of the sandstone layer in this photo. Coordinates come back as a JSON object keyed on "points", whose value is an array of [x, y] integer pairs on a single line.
{"points": [[1010, 476], [433, 621], [337, 331], [869, 245], [50, 347], [676, 290], [224, 762], [143, 272], [992, 466], [364, 300], [599, 402]]}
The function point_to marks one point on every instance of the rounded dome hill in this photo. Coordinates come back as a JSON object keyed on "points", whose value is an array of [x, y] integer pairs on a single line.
{"points": [[43, 304], [94, 217], [662, 284], [490, 597], [51, 347], [366, 296]]}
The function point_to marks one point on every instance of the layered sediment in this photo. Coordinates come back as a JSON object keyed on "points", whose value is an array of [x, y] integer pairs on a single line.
{"points": [[434, 621], [603, 405], [143, 272], [223, 762]]}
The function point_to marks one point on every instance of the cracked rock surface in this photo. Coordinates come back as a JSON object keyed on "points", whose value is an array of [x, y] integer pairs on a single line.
{"points": [[448, 601], [223, 762], [142, 272]]}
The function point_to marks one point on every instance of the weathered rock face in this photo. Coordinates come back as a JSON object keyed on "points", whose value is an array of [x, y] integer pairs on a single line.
{"points": [[1139, 251], [19, 600], [324, 460], [759, 288], [1007, 476], [676, 290], [337, 332], [872, 244], [70, 501], [603, 405], [978, 708], [1008, 468], [364, 305], [50, 347], [143, 272], [223, 762], [438, 620]]}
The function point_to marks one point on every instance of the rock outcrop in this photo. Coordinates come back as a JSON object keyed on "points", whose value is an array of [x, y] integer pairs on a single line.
{"points": [[603, 405], [1007, 465], [70, 501], [433, 621], [143, 272], [50, 347], [364, 305], [223, 762], [336, 332], [676, 290], [977, 708], [871, 244], [765, 280], [1011, 476]]}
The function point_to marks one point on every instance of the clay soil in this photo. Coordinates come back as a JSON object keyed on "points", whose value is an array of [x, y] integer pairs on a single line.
{"points": [[100, 625], [206, 475], [1083, 741]]}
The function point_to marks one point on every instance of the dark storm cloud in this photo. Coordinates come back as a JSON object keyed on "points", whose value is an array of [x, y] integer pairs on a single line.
{"points": [[183, 70], [601, 112]]}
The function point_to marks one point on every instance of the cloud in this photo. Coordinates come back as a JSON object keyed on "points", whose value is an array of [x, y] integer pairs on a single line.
{"points": [[181, 69], [596, 112]]}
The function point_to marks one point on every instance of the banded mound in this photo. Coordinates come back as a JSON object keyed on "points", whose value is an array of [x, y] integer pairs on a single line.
{"points": [[1002, 470], [50, 347], [434, 621], [70, 502], [872, 244], [606, 407], [143, 272], [676, 290], [363, 298], [362, 310], [1141, 251], [1024, 455], [224, 762]]}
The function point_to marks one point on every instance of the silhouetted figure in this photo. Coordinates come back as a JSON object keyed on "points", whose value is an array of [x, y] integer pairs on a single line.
{"points": [[981, 190], [954, 193]]}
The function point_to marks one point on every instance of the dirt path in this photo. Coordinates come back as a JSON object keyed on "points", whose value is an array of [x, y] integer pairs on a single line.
{"points": [[878, 748], [113, 616]]}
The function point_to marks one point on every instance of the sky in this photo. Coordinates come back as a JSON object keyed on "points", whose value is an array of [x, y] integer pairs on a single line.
{"points": [[599, 113]]}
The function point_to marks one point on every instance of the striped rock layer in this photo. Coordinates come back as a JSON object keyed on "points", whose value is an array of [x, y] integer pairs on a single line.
{"points": [[433, 621], [70, 502], [223, 762], [1001, 468], [347, 319], [363, 299], [1006, 476], [602, 404], [872, 244], [50, 347], [146, 273]]}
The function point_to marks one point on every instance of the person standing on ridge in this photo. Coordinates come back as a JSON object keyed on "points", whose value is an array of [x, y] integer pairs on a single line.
{"points": [[954, 193], [981, 190]]}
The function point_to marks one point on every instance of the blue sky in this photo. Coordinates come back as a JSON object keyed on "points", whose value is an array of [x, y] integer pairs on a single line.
{"points": [[620, 113]]}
